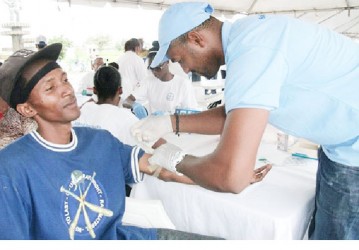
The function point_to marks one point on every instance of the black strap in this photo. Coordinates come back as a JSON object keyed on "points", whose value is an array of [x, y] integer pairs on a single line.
{"points": [[177, 123], [21, 92]]}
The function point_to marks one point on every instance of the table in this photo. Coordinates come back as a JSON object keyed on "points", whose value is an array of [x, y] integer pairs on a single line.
{"points": [[280, 207]]}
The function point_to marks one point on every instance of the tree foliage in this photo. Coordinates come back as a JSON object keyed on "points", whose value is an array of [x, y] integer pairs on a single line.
{"points": [[66, 44]]}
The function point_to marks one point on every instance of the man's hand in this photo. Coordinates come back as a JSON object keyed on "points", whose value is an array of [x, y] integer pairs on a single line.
{"points": [[260, 173], [149, 130], [168, 176]]}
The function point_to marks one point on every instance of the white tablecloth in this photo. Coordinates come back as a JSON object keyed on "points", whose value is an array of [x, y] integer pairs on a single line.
{"points": [[279, 207]]}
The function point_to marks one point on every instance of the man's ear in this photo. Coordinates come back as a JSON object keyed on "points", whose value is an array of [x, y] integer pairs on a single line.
{"points": [[195, 38], [95, 90], [26, 110], [120, 90]]}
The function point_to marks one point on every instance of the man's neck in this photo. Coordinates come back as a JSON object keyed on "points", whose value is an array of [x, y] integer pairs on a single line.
{"points": [[167, 77], [219, 26], [112, 101], [61, 134]]}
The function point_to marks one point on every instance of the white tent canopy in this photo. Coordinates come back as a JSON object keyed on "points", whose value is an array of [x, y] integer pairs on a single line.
{"points": [[339, 15]]}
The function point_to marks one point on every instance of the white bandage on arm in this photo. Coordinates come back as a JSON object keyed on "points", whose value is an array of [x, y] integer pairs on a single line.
{"points": [[168, 156], [157, 172]]}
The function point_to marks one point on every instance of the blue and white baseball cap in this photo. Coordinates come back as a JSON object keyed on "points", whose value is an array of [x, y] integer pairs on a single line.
{"points": [[176, 21]]}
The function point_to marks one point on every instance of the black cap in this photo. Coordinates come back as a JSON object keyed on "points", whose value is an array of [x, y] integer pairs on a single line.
{"points": [[12, 68]]}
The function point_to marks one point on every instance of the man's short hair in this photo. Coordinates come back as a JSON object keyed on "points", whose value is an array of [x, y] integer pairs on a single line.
{"points": [[115, 65], [131, 44]]}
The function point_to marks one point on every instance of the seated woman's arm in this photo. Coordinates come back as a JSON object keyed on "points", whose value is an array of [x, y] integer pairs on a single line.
{"points": [[129, 101]]}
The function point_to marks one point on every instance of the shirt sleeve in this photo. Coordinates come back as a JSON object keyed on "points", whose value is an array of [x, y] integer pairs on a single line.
{"points": [[131, 119], [132, 173], [254, 78], [14, 222], [140, 69]]}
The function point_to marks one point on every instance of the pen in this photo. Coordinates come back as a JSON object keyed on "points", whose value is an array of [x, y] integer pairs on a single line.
{"points": [[303, 156]]}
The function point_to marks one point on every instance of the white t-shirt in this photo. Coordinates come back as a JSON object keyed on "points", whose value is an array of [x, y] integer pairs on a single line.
{"points": [[86, 82], [132, 69], [166, 96], [116, 120], [176, 69]]}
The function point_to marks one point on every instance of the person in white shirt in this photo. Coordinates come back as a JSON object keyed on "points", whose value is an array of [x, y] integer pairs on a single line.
{"points": [[131, 66], [86, 82], [163, 91], [105, 114]]}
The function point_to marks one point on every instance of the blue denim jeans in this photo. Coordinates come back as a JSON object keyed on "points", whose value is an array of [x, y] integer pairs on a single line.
{"points": [[336, 215]]}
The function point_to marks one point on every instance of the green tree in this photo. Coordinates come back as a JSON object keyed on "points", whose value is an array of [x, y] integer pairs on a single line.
{"points": [[120, 45], [100, 41], [66, 43]]}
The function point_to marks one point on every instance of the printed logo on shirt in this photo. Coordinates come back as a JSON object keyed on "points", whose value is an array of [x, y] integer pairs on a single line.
{"points": [[170, 97], [261, 16], [84, 204]]}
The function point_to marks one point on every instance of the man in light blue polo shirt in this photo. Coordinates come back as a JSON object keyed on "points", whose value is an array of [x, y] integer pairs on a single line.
{"points": [[299, 77]]}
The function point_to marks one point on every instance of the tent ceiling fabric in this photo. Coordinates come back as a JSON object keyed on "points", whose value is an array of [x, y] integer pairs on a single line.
{"points": [[339, 15]]}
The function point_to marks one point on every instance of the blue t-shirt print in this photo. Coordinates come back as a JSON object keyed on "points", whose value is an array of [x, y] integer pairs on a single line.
{"points": [[84, 204]]}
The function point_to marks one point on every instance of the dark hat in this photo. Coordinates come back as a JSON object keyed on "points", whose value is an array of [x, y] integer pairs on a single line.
{"points": [[12, 68], [41, 45]]}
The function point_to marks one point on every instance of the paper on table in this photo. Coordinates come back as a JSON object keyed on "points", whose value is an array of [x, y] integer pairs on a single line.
{"points": [[306, 148], [146, 214], [279, 158]]}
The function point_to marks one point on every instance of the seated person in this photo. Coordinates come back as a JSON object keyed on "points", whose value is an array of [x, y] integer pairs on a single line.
{"points": [[64, 182], [12, 124], [163, 91], [106, 113], [86, 82]]}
